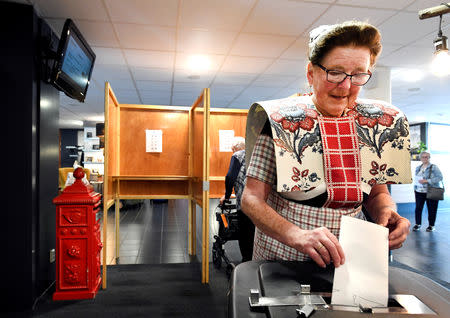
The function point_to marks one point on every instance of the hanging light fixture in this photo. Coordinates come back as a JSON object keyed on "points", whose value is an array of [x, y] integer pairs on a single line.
{"points": [[441, 62]]}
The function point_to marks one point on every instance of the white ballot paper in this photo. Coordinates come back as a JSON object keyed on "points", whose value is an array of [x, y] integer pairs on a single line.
{"points": [[363, 279]]}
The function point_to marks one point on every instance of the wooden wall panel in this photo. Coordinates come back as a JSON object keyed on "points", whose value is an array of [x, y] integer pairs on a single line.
{"points": [[197, 155], [217, 189], [154, 188], [111, 142], [174, 158], [224, 120]]}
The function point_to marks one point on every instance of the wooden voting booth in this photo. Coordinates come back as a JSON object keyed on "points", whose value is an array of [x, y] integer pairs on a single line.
{"points": [[188, 165]]}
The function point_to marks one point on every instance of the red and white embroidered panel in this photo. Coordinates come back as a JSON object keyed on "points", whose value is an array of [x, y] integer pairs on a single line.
{"points": [[342, 161]]}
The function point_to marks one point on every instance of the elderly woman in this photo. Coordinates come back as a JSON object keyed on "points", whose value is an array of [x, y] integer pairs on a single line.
{"points": [[316, 157], [427, 174]]}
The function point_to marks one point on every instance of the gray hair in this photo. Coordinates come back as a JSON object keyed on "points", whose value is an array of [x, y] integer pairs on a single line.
{"points": [[238, 143]]}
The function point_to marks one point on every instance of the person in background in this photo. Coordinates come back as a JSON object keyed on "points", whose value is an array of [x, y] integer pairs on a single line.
{"points": [[316, 157], [426, 174], [236, 179]]}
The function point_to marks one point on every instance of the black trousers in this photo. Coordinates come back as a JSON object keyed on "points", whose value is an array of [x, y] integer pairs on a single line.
{"points": [[245, 236], [432, 206]]}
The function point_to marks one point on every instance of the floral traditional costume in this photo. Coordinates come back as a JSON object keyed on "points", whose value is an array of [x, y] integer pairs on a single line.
{"points": [[339, 157]]}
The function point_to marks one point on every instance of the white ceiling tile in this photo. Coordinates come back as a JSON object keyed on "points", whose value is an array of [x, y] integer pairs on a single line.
{"points": [[338, 14], [183, 61], [226, 92], [408, 56], [124, 92], [121, 84], [283, 17], [259, 93], [215, 14], [98, 33], [298, 50], [149, 59], [419, 5], [245, 64], [151, 74], [380, 4], [182, 100], [108, 56], [190, 89], [271, 80], [191, 76], [386, 51], [212, 26], [404, 28], [205, 41], [145, 37], [130, 100], [152, 12], [219, 103], [154, 86], [104, 72], [242, 102], [156, 100], [81, 9], [287, 67], [261, 45], [234, 78]]}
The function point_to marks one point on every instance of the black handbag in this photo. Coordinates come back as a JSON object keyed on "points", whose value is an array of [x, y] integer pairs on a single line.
{"points": [[435, 193]]}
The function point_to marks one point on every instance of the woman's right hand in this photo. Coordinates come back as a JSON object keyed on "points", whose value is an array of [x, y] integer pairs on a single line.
{"points": [[321, 245]]}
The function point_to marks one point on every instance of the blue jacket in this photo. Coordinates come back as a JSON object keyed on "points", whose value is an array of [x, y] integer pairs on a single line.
{"points": [[434, 180]]}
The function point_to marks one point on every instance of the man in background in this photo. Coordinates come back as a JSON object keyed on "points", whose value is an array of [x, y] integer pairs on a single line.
{"points": [[236, 178]]}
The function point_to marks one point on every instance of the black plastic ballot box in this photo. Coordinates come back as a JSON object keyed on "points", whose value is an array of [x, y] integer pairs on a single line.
{"points": [[410, 294]]}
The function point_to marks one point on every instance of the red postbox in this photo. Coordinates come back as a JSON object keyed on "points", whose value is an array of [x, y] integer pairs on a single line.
{"points": [[78, 242]]}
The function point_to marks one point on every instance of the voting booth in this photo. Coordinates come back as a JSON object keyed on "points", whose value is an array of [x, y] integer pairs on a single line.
{"points": [[167, 152]]}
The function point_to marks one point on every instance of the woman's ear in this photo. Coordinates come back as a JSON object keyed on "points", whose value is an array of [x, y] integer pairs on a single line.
{"points": [[309, 73]]}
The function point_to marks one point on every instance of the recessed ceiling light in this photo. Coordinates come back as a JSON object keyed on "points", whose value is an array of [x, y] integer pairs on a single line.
{"points": [[413, 89], [412, 75], [199, 63]]}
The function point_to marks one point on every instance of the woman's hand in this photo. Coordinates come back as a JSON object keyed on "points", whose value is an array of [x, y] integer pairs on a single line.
{"points": [[398, 227], [321, 245], [423, 181], [381, 208]]}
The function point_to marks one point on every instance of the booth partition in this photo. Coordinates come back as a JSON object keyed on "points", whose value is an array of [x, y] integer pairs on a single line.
{"points": [[167, 152]]}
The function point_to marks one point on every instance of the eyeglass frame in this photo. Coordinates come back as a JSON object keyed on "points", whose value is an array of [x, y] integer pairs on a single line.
{"points": [[346, 75]]}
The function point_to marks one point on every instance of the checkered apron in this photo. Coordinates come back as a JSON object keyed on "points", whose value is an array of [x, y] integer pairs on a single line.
{"points": [[306, 217], [263, 167]]}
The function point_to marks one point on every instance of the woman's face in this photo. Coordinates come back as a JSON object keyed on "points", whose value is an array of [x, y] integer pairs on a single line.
{"points": [[425, 158], [331, 99]]}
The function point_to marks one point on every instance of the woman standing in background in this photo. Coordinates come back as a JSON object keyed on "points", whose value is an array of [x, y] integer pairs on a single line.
{"points": [[426, 174]]}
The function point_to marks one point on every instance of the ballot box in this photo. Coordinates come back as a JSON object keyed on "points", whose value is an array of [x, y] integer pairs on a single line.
{"points": [[272, 289]]}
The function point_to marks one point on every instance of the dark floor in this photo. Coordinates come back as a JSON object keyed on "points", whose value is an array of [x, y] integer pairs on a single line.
{"points": [[155, 232]]}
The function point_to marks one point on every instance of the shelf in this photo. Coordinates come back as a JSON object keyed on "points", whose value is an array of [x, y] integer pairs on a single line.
{"points": [[93, 150], [93, 163]]}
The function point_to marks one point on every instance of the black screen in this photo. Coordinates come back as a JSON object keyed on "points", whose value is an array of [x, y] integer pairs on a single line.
{"points": [[74, 64]]}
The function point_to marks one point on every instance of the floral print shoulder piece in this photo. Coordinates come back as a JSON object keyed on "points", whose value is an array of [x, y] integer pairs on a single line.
{"points": [[383, 135]]}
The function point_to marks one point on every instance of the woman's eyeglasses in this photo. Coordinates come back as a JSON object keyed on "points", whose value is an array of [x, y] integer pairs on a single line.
{"points": [[338, 77]]}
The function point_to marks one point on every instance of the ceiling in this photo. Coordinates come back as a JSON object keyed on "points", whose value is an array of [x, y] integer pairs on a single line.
{"points": [[257, 50]]}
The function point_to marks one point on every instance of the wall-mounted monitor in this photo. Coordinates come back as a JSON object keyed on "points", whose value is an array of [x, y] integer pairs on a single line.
{"points": [[74, 63]]}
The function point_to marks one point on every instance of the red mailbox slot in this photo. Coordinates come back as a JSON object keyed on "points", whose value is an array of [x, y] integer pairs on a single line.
{"points": [[78, 242]]}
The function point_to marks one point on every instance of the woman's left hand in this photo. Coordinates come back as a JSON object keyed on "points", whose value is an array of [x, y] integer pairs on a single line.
{"points": [[398, 227]]}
